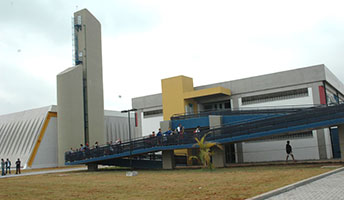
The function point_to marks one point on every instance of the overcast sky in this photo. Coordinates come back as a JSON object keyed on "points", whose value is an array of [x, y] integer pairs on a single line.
{"points": [[145, 41]]}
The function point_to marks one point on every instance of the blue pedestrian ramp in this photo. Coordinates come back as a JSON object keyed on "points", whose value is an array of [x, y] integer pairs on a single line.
{"points": [[142, 149]]}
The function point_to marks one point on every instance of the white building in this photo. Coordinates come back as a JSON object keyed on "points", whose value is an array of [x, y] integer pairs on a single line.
{"points": [[32, 135], [307, 86]]}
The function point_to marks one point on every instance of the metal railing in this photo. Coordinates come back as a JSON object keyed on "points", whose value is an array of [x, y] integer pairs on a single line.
{"points": [[307, 116], [248, 110]]}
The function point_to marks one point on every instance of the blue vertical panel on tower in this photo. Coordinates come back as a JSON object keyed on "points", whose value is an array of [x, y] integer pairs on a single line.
{"points": [[335, 142]]}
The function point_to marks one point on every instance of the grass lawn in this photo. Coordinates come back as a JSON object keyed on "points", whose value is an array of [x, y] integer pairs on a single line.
{"points": [[228, 183]]}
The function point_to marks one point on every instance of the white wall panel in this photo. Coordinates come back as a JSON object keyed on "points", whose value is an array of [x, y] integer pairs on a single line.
{"points": [[150, 124], [19, 133], [47, 152]]}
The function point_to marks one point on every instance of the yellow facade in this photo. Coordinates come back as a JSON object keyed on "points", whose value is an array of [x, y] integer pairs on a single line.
{"points": [[179, 95], [173, 90]]}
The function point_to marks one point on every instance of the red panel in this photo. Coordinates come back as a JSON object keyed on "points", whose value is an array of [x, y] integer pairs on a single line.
{"points": [[135, 119], [322, 95]]}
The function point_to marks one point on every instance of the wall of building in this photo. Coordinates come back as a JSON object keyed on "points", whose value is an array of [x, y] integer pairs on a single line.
{"points": [[47, 152], [116, 126], [150, 124], [89, 44], [308, 77], [70, 111], [19, 133], [308, 100], [274, 150]]}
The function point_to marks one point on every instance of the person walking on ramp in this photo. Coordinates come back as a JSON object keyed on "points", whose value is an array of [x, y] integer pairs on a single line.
{"points": [[289, 151]]}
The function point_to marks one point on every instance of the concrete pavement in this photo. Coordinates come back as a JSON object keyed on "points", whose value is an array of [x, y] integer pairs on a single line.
{"points": [[324, 186]]}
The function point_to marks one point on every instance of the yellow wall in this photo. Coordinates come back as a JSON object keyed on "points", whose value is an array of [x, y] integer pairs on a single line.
{"points": [[178, 92], [173, 90]]}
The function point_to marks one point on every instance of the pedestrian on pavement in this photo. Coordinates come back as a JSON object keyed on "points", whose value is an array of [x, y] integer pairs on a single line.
{"points": [[289, 151], [18, 166], [2, 167], [8, 166]]}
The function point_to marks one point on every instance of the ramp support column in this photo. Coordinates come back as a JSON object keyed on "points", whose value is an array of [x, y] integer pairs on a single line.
{"points": [[321, 144], [168, 161], [219, 156], [219, 159], [92, 167], [239, 154]]}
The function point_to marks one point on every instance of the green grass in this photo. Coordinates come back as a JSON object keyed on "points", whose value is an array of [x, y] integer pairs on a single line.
{"points": [[228, 183]]}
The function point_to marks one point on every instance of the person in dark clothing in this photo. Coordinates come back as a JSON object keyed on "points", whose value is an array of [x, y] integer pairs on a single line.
{"points": [[159, 137], [289, 151], [8, 166], [18, 166]]}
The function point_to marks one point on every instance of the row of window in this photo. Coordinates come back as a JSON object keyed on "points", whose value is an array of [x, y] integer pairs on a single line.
{"points": [[301, 135], [153, 112], [217, 106], [275, 96]]}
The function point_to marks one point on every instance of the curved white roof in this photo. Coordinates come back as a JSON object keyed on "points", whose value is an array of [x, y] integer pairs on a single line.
{"points": [[19, 133]]}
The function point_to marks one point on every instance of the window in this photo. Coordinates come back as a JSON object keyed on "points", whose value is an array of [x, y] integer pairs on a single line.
{"points": [[217, 106], [275, 96], [153, 112], [301, 135]]}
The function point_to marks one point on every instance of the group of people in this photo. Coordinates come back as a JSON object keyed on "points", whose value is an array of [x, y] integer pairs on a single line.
{"points": [[179, 130], [94, 151], [6, 166], [95, 146], [179, 133], [84, 148]]}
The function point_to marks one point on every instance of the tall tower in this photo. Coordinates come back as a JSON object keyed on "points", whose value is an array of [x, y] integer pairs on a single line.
{"points": [[80, 89]]}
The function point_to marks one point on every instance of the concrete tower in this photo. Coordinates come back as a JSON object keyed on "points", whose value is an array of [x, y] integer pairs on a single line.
{"points": [[80, 89]]}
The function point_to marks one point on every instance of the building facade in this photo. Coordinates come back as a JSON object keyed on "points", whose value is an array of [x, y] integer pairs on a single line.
{"points": [[32, 135], [80, 88], [308, 86]]}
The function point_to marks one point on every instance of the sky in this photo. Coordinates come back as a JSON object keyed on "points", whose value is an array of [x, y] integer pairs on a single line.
{"points": [[144, 41]]}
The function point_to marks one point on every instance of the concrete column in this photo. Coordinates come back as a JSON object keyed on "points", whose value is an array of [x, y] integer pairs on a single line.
{"points": [[341, 140], [321, 144], [240, 154], [215, 120], [92, 167], [168, 161], [235, 103], [165, 125], [218, 158]]}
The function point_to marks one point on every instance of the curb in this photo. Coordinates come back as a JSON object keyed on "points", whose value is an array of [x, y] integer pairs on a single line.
{"points": [[294, 185], [42, 172]]}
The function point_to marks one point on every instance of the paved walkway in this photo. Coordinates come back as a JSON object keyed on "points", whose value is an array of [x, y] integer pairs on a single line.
{"points": [[43, 172], [329, 187], [324, 186]]}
